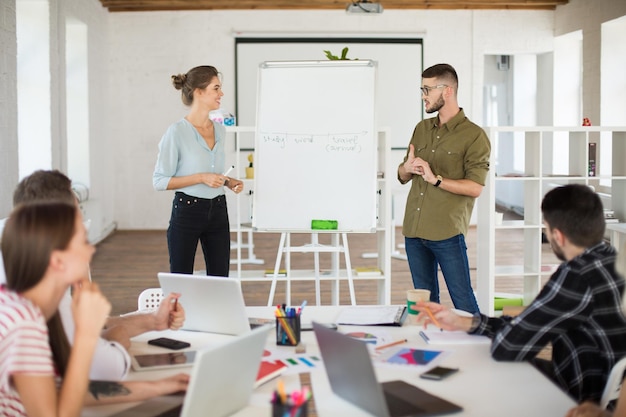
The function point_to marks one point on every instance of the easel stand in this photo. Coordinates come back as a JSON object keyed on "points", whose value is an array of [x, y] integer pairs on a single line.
{"points": [[316, 248]]}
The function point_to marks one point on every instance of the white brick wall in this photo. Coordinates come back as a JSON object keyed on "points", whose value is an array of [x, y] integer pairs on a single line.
{"points": [[132, 55], [8, 104], [150, 47]]}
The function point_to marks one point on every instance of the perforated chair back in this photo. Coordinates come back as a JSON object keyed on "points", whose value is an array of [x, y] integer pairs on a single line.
{"points": [[150, 299], [613, 384]]}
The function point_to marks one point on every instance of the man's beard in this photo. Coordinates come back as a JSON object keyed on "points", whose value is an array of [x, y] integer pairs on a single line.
{"points": [[436, 105], [557, 251]]}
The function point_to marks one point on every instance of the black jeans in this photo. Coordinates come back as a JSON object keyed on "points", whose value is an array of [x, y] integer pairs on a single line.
{"points": [[196, 219]]}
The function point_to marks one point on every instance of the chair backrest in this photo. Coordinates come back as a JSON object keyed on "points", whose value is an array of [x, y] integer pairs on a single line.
{"points": [[613, 384], [150, 299]]}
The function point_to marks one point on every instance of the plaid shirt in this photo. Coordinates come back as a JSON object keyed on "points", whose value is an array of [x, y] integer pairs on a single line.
{"points": [[579, 311]]}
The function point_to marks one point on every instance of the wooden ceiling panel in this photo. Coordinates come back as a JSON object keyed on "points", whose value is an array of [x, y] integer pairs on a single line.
{"points": [[152, 5]]}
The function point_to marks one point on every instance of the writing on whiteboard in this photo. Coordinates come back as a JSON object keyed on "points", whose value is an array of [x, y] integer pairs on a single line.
{"points": [[331, 142], [303, 139], [275, 138], [344, 143]]}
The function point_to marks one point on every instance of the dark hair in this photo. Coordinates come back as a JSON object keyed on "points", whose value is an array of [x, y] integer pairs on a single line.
{"points": [[59, 345], [32, 232], [198, 77], [30, 235], [576, 210], [443, 72], [44, 186]]}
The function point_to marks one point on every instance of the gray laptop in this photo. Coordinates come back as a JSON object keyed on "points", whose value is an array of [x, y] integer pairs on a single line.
{"points": [[212, 304], [218, 386], [351, 376]]}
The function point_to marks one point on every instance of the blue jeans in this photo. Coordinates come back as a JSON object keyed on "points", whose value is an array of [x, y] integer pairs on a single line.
{"points": [[451, 254], [196, 219]]}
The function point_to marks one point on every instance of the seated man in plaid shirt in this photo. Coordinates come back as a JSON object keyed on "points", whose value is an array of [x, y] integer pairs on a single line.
{"points": [[578, 310]]}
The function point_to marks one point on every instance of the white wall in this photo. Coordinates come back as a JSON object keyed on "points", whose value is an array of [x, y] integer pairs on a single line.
{"points": [[132, 55], [589, 16], [8, 104], [149, 47]]}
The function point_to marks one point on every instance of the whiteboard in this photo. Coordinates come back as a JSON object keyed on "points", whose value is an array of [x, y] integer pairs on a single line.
{"points": [[398, 70], [315, 145]]}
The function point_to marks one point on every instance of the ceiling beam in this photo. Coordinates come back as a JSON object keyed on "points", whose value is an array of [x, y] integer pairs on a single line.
{"points": [[164, 5]]}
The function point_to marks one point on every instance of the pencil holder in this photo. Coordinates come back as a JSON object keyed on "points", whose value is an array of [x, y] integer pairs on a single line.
{"points": [[290, 410], [287, 330]]}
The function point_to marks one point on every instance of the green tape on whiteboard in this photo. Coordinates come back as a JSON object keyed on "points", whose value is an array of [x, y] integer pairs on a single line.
{"points": [[324, 224]]}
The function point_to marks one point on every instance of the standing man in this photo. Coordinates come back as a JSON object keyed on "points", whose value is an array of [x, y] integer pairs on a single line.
{"points": [[447, 163]]}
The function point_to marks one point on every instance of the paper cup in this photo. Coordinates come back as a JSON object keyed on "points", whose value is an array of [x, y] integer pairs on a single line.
{"points": [[412, 297]]}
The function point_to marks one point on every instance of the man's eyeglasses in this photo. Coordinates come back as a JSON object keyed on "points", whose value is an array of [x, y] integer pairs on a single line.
{"points": [[426, 89]]}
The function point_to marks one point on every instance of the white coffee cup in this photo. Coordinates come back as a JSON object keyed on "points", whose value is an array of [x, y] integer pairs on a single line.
{"points": [[412, 298]]}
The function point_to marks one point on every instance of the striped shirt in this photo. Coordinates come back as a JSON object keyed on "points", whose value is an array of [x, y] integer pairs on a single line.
{"points": [[24, 347], [579, 312]]}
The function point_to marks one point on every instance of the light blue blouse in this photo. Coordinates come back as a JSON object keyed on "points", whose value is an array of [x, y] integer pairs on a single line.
{"points": [[183, 151]]}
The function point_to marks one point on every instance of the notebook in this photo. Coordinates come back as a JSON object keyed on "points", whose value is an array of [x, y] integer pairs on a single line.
{"points": [[351, 376], [393, 315], [212, 304], [214, 375]]}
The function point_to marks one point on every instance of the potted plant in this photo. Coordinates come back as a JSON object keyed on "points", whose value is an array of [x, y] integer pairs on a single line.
{"points": [[343, 57]]}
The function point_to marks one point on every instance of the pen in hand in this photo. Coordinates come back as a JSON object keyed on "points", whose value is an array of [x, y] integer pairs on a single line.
{"points": [[228, 170], [432, 318]]}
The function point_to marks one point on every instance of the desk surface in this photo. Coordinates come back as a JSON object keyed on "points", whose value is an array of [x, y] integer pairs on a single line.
{"points": [[481, 387]]}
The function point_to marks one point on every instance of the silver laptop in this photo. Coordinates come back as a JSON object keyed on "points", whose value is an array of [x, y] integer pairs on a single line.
{"points": [[212, 304], [351, 376], [216, 373]]}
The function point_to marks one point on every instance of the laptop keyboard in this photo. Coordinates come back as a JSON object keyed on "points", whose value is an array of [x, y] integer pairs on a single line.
{"points": [[399, 407]]}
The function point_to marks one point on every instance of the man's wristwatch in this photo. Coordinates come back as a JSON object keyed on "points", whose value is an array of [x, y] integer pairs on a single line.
{"points": [[439, 179]]}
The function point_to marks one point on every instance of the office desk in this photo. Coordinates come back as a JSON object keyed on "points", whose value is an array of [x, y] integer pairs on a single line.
{"points": [[483, 387]]}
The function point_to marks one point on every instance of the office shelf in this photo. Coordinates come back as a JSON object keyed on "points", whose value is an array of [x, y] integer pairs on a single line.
{"points": [[536, 146]]}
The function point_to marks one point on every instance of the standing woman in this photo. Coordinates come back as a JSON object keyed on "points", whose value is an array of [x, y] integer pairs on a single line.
{"points": [[191, 161], [48, 252]]}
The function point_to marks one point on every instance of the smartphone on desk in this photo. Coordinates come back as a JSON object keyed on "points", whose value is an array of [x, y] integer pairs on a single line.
{"points": [[438, 373], [166, 342]]}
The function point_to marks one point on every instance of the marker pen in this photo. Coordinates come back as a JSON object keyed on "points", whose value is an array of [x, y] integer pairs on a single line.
{"points": [[228, 170]]}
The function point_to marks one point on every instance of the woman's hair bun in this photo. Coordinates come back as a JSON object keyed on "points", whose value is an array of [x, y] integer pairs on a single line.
{"points": [[179, 81]]}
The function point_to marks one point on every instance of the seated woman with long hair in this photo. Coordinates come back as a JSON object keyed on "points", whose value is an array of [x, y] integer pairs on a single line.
{"points": [[45, 251]]}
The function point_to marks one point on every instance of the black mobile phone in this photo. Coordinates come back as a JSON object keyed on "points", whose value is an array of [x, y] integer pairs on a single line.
{"points": [[438, 372], [168, 343]]}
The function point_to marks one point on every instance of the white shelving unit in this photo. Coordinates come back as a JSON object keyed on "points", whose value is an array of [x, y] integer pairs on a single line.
{"points": [[239, 218], [537, 178]]}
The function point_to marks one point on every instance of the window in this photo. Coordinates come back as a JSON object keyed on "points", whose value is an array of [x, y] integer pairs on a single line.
{"points": [[33, 86], [613, 90], [77, 101]]}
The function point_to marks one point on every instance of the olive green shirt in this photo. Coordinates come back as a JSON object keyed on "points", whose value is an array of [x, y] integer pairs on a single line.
{"points": [[459, 149]]}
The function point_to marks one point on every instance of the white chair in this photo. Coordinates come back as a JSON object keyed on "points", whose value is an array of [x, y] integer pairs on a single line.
{"points": [[613, 384], [150, 299]]}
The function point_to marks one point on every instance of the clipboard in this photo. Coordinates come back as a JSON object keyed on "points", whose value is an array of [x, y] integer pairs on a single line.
{"points": [[393, 315]]}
